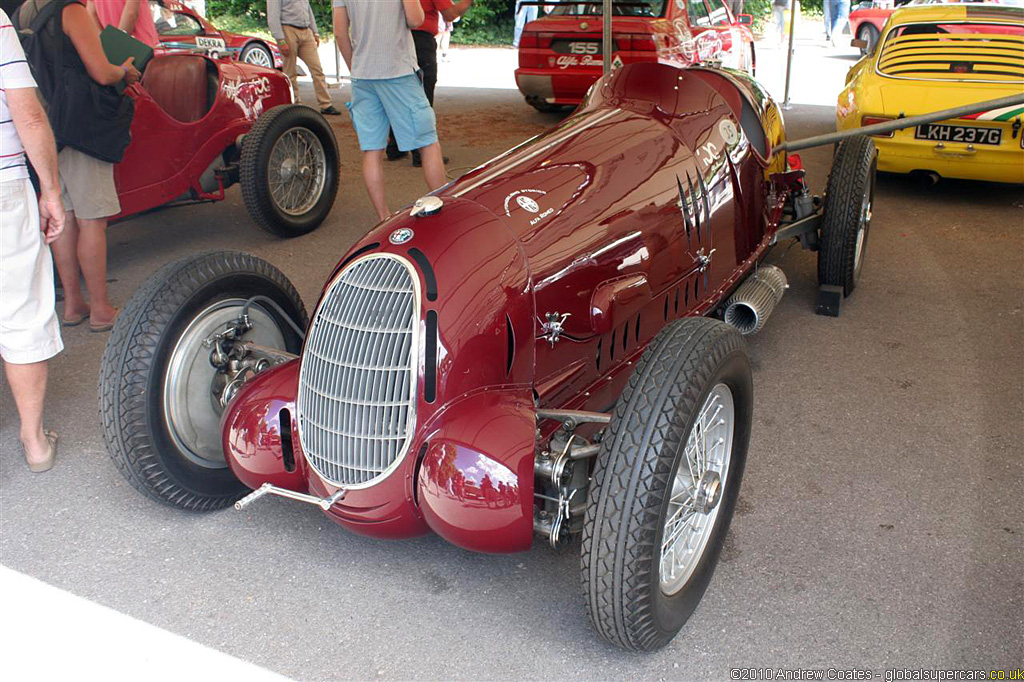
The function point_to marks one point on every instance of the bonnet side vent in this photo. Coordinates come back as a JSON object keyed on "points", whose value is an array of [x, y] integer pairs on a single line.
{"points": [[430, 358], [284, 418], [428, 272], [510, 348]]}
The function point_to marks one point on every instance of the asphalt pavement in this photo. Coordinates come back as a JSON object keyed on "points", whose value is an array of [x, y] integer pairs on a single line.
{"points": [[880, 524]]}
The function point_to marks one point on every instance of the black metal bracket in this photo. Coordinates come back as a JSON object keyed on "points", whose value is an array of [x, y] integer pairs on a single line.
{"points": [[804, 229]]}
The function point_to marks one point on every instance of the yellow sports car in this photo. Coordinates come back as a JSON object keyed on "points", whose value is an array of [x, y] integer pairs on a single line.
{"points": [[935, 57]]}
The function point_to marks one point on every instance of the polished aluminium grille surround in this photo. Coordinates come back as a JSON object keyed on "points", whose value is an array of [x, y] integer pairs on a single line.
{"points": [[356, 406]]}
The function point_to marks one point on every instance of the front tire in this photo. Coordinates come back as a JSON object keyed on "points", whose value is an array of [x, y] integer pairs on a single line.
{"points": [[160, 419], [846, 220], [289, 170], [662, 495]]}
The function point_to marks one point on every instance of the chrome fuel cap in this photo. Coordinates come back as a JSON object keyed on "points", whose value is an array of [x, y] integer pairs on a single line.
{"points": [[424, 206]]}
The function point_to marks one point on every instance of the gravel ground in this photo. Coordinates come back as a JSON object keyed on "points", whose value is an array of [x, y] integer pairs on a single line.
{"points": [[880, 525]]}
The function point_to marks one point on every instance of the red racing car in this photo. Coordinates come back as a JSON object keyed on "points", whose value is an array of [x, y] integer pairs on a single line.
{"points": [[560, 55], [550, 346], [202, 125], [182, 29]]}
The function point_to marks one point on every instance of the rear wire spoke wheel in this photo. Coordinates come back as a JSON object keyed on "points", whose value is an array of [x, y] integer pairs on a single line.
{"points": [[665, 483], [297, 169], [289, 170], [159, 394], [846, 219]]}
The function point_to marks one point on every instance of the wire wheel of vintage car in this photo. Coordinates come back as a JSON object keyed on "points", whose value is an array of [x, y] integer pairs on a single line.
{"points": [[665, 483], [846, 220], [697, 488], [289, 170], [297, 170], [178, 353], [257, 54]]}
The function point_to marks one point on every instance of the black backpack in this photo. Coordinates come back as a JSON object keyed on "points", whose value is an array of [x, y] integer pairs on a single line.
{"points": [[92, 118]]}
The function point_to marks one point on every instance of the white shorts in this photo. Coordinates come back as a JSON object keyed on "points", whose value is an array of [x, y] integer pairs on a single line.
{"points": [[29, 330]]}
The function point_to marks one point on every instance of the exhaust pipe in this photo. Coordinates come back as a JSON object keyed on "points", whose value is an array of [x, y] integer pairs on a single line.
{"points": [[754, 300]]}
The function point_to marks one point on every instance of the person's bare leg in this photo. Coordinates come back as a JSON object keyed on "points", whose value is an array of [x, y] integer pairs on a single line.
{"points": [[28, 384], [433, 166], [373, 176], [92, 258], [65, 255]]}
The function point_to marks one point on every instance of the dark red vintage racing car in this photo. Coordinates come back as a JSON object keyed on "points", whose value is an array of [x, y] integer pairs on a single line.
{"points": [[560, 55], [551, 346], [203, 124], [181, 29]]}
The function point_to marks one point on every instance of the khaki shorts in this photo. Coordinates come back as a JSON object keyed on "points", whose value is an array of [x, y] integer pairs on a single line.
{"points": [[29, 330], [87, 185]]}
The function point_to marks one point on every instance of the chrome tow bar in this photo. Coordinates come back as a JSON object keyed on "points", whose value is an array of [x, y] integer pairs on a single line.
{"points": [[324, 503]]}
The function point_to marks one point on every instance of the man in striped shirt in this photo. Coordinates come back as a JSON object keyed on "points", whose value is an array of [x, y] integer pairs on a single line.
{"points": [[29, 330]]}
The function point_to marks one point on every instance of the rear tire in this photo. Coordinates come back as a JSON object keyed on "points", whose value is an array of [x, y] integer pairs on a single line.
{"points": [[635, 596], [154, 363], [289, 170], [846, 220]]}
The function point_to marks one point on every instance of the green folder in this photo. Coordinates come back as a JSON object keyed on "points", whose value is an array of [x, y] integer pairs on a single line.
{"points": [[119, 46]]}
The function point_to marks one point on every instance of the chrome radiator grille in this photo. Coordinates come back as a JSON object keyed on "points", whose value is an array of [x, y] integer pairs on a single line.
{"points": [[357, 383]]}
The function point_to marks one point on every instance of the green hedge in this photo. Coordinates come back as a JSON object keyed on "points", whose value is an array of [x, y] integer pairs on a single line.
{"points": [[486, 22]]}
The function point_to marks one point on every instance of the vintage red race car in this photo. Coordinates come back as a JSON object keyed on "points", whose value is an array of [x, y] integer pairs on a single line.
{"points": [[550, 346], [202, 125], [182, 29], [560, 54]]}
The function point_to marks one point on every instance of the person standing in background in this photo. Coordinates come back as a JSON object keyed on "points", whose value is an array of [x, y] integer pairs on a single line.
{"points": [[373, 37], [837, 16], [444, 37], [524, 15], [736, 6], [293, 26], [29, 330], [131, 16], [87, 182], [423, 39], [779, 8]]}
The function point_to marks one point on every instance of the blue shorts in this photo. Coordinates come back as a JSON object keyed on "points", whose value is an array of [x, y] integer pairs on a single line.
{"points": [[398, 102]]}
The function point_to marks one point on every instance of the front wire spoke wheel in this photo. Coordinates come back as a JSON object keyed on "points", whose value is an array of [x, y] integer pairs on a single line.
{"points": [[700, 483], [665, 483]]}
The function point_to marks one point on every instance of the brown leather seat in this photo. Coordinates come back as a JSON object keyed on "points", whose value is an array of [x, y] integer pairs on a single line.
{"points": [[179, 84]]}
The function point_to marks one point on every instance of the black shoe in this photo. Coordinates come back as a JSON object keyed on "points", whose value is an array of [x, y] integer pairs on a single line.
{"points": [[394, 154], [330, 111]]}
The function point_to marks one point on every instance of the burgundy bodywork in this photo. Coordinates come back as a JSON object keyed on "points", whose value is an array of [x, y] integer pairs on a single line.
{"points": [[650, 174], [190, 111]]}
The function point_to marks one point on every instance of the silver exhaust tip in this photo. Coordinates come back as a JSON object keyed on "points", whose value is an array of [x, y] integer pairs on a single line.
{"points": [[753, 301]]}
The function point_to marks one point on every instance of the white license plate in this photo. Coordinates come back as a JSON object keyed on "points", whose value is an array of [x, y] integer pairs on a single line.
{"points": [[941, 132], [211, 43]]}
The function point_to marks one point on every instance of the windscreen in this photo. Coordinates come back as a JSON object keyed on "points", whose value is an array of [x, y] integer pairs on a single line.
{"points": [[620, 8]]}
